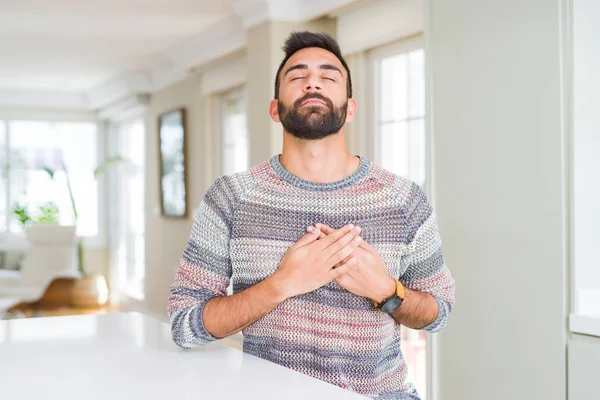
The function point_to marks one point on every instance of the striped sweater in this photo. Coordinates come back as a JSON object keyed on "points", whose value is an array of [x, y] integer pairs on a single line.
{"points": [[245, 224]]}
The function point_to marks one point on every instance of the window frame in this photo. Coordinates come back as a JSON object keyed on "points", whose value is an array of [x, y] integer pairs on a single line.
{"points": [[374, 56], [239, 91], [120, 287], [371, 59]]}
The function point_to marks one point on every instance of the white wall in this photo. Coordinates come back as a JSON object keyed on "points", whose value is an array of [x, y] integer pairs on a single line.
{"points": [[44, 114], [586, 144], [500, 196], [379, 22], [166, 238], [584, 364]]}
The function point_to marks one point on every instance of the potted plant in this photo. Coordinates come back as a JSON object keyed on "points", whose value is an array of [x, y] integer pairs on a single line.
{"points": [[42, 226], [90, 289]]}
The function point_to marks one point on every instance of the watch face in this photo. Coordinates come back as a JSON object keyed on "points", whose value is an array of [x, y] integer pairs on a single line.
{"points": [[392, 305]]}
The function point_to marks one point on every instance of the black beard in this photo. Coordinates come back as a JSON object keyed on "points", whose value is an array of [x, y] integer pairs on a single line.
{"points": [[313, 122]]}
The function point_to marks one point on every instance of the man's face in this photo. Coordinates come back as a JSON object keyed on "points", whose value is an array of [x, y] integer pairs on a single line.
{"points": [[313, 100]]}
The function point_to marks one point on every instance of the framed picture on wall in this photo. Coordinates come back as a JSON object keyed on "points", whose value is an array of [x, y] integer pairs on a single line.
{"points": [[172, 161]]}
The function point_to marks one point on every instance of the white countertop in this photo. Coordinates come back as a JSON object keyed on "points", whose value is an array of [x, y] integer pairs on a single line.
{"points": [[131, 356]]}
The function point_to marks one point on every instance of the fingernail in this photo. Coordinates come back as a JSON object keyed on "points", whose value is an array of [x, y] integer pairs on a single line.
{"points": [[358, 229], [310, 229], [359, 239], [350, 227]]}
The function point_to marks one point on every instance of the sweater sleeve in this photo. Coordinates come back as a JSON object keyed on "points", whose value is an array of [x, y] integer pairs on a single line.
{"points": [[205, 267], [426, 270]]}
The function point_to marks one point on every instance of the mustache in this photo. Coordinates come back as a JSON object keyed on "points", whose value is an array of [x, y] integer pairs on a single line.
{"points": [[317, 96]]}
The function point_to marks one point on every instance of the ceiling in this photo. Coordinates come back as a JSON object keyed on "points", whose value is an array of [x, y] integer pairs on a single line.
{"points": [[75, 45], [89, 54]]}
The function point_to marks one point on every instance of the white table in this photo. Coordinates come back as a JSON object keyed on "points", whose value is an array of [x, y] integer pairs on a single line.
{"points": [[131, 356]]}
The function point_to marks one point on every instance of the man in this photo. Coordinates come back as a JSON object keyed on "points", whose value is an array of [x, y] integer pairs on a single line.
{"points": [[328, 253]]}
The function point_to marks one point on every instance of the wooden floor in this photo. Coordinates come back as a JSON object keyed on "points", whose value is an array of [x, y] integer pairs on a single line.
{"points": [[67, 310]]}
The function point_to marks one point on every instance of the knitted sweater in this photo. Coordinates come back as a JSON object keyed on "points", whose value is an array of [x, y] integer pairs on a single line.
{"points": [[244, 226]]}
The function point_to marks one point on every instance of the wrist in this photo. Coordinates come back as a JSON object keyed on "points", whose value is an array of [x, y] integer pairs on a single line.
{"points": [[387, 290], [277, 287]]}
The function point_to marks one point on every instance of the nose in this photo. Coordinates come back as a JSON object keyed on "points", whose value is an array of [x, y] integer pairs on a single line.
{"points": [[312, 84]]}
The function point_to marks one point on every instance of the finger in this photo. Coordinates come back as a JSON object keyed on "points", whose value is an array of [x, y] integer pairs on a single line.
{"points": [[337, 235], [322, 235], [325, 229], [344, 269], [352, 277], [340, 243], [343, 261], [346, 280], [367, 246], [345, 251], [307, 238], [364, 245]]}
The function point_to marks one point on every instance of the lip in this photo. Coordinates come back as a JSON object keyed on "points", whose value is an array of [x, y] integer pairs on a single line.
{"points": [[312, 101]]}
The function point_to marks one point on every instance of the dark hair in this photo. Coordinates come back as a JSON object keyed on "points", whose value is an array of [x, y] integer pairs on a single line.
{"points": [[302, 40]]}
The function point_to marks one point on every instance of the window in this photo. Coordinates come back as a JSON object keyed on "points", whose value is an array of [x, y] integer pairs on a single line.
{"points": [[585, 163], [4, 198], [399, 82], [398, 118], [32, 147], [128, 227], [235, 132], [234, 141]]}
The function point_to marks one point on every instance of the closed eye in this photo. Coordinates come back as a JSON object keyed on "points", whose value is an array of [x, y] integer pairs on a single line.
{"points": [[299, 77]]}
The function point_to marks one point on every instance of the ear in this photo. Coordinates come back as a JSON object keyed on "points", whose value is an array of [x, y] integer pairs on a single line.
{"points": [[351, 110], [274, 111]]}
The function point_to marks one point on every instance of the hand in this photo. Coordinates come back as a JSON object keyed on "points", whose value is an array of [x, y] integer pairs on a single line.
{"points": [[369, 278], [309, 263]]}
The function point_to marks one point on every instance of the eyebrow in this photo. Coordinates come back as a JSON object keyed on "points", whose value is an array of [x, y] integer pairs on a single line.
{"points": [[304, 66]]}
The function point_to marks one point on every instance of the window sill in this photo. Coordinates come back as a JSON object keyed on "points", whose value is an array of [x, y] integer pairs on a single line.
{"points": [[585, 324], [18, 242], [587, 318], [13, 242]]}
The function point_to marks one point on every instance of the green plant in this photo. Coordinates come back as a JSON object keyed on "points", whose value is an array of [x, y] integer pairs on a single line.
{"points": [[22, 214], [47, 213]]}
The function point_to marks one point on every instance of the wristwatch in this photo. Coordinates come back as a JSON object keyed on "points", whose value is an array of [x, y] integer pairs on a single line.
{"points": [[393, 302]]}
